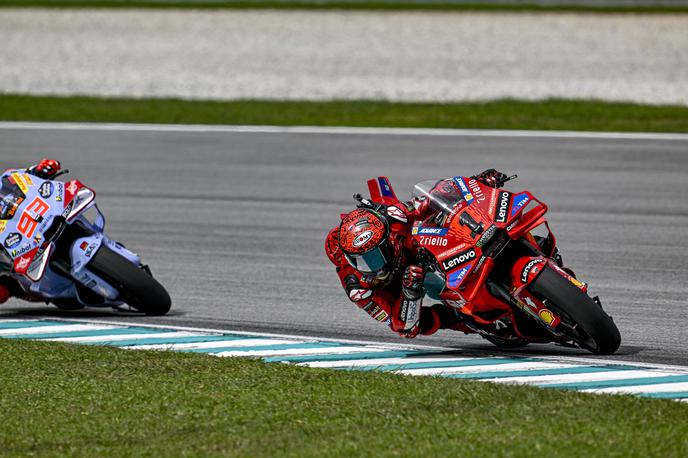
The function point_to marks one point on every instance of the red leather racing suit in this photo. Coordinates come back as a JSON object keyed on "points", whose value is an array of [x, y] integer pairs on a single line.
{"points": [[383, 299]]}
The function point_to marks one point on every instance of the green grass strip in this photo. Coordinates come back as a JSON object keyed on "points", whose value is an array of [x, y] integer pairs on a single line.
{"points": [[346, 4], [83, 401], [503, 114]]}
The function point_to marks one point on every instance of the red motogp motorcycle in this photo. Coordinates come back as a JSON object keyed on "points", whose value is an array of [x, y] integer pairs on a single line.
{"points": [[483, 257]]}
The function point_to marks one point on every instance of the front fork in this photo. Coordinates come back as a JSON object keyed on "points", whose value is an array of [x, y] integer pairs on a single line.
{"points": [[82, 250], [527, 303]]}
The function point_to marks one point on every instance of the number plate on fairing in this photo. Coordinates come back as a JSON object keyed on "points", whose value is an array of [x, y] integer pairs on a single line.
{"points": [[36, 202]]}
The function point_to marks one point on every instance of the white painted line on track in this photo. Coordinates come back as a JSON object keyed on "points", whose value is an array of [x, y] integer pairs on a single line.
{"points": [[116, 337], [54, 329], [503, 367], [323, 353], [340, 130], [578, 377], [15, 320], [216, 344], [559, 359], [298, 352], [600, 361], [383, 345], [639, 389]]}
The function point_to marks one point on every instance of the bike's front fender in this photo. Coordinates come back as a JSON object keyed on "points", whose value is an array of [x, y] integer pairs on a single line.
{"points": [[82, 251], [122, 251], [526, 269]]}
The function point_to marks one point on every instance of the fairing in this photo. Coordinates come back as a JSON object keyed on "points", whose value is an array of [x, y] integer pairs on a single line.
{"points": [[32, 209], [470, 225], [37, 203], [482, 248]]}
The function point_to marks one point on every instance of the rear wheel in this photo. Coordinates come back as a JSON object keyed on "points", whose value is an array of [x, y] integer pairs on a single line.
{"points": [[136, 287], [582, 319]]}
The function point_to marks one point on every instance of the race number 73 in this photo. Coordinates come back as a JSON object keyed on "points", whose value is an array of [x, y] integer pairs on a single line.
{"points": [[27, 223]]}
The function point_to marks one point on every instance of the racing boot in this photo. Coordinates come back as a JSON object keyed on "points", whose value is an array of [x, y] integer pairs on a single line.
{"points": [[502, 334], [10, 287], [4, 294], [451, 318]]}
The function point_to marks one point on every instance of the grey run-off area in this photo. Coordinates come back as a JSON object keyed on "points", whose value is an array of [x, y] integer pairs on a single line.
{"points": [[406, 56], [233, 224]]}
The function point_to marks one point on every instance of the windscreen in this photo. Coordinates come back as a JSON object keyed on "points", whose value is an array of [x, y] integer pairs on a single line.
{"points": [[11, 196], [443, 195]]}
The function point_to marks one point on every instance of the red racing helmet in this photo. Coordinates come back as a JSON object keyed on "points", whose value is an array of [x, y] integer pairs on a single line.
{"points": [[364, 238]]}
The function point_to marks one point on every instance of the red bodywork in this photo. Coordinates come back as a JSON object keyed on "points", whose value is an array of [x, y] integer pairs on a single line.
{"points": [[458, 245]]}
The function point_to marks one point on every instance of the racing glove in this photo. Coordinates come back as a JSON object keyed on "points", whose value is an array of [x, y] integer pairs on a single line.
{"points": [[45, 169], [411, 333], [412, 282], [492, 177], [413, 292]]}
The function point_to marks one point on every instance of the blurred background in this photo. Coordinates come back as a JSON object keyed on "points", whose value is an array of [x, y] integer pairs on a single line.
{"points": [[420, 51]]}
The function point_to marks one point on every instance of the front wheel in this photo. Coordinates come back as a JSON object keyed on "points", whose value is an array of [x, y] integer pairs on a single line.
{"points": [[582, 319], [136, 287]]}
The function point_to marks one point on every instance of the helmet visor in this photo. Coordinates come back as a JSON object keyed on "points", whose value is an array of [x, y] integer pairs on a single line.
{"points": [[373, 262]]}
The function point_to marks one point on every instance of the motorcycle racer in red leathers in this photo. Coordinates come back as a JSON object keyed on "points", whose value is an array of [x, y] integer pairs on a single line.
{"points": [[377, 262], [46, 169]]}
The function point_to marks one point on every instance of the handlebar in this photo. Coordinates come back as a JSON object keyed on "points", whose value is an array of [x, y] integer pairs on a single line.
{"points": [[362, 202], [512, 177], [60, 173]]}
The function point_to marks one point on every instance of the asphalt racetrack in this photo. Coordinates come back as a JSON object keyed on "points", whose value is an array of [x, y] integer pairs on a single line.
{"points": [[233, 223]]}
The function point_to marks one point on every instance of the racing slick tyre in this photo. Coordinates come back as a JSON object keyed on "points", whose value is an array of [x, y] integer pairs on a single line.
{"points": [[582, 319], [136, 287]]}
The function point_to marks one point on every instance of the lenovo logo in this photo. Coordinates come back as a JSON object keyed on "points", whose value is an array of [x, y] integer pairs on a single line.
{"points": [[502, 207], [459, 259]]}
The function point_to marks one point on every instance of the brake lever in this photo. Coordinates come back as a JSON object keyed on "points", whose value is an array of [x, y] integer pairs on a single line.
{"points": [[512, 177], [60, 173], [426, 260], [362, 202]]}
